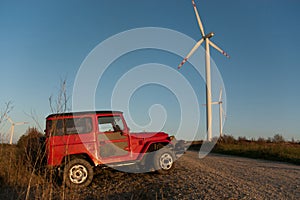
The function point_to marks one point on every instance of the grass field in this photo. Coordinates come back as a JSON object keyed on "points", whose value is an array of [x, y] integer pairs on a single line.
{"points": [[270, 149], [278, 152]]}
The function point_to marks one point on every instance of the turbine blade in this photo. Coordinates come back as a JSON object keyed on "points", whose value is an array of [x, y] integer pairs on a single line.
{"points": [[220, 97], [214, 103], [222, 110], [198, 19], [21, 123], [219, 49], [191, 53], [223, 113]]}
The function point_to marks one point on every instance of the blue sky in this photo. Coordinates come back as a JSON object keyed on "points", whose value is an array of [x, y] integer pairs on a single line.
{"points": [[42, 42]]}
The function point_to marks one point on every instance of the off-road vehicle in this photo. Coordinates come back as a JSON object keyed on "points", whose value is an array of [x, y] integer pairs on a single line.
{"points": [[78, 142]]}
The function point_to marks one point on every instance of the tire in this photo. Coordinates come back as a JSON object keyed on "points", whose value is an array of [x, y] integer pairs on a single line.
{"points": [[164, 160], [78, 173]]}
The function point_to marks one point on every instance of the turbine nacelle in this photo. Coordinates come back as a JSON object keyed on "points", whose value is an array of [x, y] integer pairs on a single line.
{"points": [[211, 34]]}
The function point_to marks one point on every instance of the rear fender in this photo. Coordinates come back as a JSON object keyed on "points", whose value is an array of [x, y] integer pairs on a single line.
{"points": [[84, 156]]}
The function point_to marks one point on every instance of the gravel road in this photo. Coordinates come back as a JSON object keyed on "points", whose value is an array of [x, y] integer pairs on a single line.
{"points": [[214, 177]]}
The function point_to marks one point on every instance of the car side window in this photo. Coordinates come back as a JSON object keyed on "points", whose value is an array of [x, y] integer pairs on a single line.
{"points": [[78, 125], [70, 126]]}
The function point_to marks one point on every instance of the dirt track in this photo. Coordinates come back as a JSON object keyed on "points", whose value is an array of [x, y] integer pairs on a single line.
{"points": [[214, 177]]}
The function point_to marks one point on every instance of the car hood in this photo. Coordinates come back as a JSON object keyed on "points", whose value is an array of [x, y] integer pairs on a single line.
{"points": [[150, 135]]}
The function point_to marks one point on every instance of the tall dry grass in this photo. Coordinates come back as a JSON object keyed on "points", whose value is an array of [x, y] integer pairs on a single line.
{"points": [[23, 174], [276, 148]]}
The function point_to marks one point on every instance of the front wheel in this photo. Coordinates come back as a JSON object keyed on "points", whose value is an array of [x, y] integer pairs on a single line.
{"points": [[78, 173], [164, 160]]}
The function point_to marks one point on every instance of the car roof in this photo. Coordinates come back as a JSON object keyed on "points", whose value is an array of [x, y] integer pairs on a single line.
{"points": [[83, 113]]}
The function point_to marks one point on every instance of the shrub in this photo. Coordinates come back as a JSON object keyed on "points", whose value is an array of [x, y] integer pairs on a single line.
{"points": [[278, 139], [261, 140], [228, 139], [30, 149], [242, 139]]}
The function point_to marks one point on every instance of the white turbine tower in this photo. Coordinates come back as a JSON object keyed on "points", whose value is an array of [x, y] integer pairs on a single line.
{"points": [[221, 112], [208, 43], [12, 128]]}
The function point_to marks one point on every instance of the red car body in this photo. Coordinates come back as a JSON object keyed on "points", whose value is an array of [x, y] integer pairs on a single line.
{"points": [[98, 143]]}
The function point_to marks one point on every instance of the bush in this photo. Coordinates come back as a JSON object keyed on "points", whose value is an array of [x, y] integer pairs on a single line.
{"points": [[228, 139], [30, 149], [261, 140], [278, 139], [242, 139]]}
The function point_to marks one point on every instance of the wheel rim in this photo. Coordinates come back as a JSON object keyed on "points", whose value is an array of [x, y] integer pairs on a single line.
{"points": [[166, 161], [78, 174]]}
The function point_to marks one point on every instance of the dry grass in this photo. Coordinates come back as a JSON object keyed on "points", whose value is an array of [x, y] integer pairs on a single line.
{"points": [[276, 148], [286, 152], [18, 179]]}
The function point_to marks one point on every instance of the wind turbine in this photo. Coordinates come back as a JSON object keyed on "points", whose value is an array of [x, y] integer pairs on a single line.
{"points": [[12, 128], [220, 102], [221, 112], [208, 43]]}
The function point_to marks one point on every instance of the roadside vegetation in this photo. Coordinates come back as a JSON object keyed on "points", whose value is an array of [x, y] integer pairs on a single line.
{"points": [[22, 168], [276, 148]]}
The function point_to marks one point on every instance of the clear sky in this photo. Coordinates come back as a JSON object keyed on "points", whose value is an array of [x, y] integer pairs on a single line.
{"points": [[42, 42]]}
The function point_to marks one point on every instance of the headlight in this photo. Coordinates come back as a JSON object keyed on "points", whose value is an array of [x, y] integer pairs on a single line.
{"points": [[172, 137]]}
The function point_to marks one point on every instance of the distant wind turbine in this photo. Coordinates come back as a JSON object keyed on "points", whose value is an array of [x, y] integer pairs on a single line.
{"points": [[208, 43], [220, 102], [221, 112], [12, 128]]}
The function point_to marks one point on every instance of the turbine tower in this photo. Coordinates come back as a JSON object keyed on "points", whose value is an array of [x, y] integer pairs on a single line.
{"points": [[208, 43], [12, 128]]}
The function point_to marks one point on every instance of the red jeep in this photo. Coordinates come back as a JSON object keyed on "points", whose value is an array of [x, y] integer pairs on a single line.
{"points": [[79, 141]]}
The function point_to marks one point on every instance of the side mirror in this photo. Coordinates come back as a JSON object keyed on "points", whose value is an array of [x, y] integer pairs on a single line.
{"points": [[123, 134]]}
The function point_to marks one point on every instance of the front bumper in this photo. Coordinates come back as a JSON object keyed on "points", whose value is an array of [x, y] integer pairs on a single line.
{"points": [[179, 147]]}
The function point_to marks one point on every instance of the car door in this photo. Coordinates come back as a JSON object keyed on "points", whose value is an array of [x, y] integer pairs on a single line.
{"points": [[113, 139]]}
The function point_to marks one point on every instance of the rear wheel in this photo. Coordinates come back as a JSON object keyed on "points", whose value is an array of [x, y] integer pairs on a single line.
{"points": [[78, 173], [164, 160]]}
